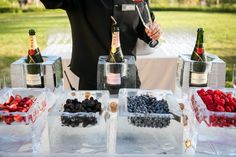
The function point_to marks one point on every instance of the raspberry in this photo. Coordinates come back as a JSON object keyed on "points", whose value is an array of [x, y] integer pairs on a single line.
{"points": [[221, 102], [201, 91], [220, 108], [234, 99], [218, 101], [228, 109], [232, 108], [227, 100], [211, 107], [210, 92], [229, 95], [208, 100], [217, 92]]}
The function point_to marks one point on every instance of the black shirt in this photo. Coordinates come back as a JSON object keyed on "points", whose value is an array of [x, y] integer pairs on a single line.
{"points": [[91, 31]]}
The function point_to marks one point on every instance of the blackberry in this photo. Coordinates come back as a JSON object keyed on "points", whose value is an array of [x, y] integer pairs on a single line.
{"points": [[73, 106]]}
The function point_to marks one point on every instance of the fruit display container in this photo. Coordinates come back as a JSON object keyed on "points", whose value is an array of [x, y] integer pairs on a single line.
{"points": [[151, 131], [210, 117], [72, 130], [22, 119], [216, 130]]}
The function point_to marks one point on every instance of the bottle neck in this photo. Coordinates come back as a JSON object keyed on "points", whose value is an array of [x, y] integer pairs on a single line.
{"points": [[32, 42], [115, 43], [199, 43]]}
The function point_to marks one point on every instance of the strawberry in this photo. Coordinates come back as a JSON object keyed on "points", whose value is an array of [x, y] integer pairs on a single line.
{"points": [[18, 118], [18, 98], [2, 107], [11, 98], [12, 107], [8, 119], [29, 102]]}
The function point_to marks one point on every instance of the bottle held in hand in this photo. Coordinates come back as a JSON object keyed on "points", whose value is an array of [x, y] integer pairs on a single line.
{"points": [[34, 79], [198, 74]]}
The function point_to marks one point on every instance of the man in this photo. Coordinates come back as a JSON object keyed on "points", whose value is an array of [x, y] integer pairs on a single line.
{"points": [[91, 33]]}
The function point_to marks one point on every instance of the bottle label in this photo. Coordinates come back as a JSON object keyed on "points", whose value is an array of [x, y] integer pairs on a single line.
{"points": [[115, 41], [198, 78], [114, 78], [200, 51], [33, 79]]}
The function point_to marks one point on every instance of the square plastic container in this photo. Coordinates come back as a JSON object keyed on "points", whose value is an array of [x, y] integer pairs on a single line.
{"points": [[216, 130], [22, 134], [66, 136], [153, 133]]}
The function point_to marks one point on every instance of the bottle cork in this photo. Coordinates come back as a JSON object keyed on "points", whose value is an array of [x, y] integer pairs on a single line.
{"points": [[113, 107]]}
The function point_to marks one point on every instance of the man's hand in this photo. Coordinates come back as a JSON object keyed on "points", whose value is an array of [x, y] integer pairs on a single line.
{"points": [[154, 32]]}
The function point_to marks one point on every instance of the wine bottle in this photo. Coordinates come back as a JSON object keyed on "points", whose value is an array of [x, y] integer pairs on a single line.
{"points": [[34, 79], [198, 74], [115, 76]]}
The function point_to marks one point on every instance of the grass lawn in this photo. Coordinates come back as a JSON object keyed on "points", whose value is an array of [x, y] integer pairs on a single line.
{"points": [[220, 32]]}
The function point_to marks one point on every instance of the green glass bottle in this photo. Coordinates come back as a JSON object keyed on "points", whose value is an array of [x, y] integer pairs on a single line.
{"points": [[115, 77], [34, 77], [198, 74]]}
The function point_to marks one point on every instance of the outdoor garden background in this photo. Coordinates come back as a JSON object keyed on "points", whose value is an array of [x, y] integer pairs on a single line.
{"points": [[217, 17]]}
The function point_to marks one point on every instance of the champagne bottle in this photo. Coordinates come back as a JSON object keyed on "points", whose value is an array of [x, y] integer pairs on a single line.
{"points": [[34, 79], [115, 55], [198, 74], [115, 76]]}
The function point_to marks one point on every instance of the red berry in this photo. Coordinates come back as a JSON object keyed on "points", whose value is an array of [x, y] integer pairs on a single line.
{"points": [[210, 92], [217, 92], [228, 109], [18, 118], [18, 98], [220, 108], [8, 119], [226, 100], [208, 100], [9, 100]]}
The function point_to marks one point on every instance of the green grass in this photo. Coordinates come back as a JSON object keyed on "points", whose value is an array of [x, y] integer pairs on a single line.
{"points": [[220, 32]]}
